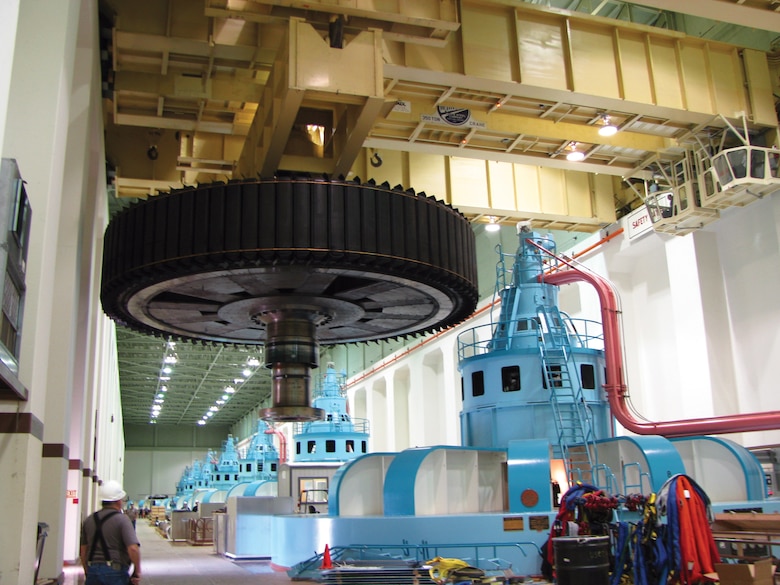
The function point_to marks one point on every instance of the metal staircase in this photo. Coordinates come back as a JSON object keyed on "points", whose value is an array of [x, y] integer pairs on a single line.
{"points": [[576, 441]]}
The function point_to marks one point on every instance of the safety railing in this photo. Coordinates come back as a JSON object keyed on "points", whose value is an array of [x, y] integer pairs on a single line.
{"points": [[506, 335], [484, 553]]}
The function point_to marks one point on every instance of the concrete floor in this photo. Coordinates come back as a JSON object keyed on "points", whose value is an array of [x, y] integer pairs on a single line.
{"points": [[177, 563]]}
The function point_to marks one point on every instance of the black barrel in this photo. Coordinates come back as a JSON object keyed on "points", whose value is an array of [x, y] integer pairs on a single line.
{"points": [[581, 560]]}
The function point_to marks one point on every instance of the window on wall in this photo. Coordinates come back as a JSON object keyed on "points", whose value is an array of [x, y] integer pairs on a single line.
{"points": [[313, 489], [297, 447], [350, 446], [462, 389], [249, 468], [478, 383], [363, 447], [330, 446], [588, 376], [510, 378], [312, 447], [526, 325]]}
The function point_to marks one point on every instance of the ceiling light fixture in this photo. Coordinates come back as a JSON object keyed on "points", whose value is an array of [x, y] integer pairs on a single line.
{"points": [[230, 390], [253, 362], [607, 128], [201, 422], [574, 155], [247, 373], [492, 225]]}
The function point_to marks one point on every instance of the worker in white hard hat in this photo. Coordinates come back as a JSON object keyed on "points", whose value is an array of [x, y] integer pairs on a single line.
{"points": [[109, 544]]}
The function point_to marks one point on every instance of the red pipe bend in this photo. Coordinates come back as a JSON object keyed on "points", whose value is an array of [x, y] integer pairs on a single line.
{"points": [[615, 384]]}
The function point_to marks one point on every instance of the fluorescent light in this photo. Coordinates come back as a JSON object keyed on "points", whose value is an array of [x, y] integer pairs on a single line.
{"points": [[213, 408], [170, 359], [201, 422], [253, 362], [230, 390]]}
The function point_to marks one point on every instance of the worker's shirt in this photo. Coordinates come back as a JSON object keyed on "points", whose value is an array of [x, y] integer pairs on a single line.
{"points": [[118, 532]]}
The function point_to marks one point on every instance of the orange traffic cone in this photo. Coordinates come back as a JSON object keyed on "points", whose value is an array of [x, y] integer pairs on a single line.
{"points": [[326, 562]]}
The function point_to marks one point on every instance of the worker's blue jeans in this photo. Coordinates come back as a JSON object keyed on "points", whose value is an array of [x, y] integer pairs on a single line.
{"points": [[105, 575]]}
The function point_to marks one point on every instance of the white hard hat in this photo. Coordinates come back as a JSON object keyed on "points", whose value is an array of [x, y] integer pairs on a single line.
{"points": [[111, 491]]}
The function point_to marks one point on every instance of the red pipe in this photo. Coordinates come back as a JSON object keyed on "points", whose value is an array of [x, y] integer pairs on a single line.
{"points": [[615, 383], [282, 443]]}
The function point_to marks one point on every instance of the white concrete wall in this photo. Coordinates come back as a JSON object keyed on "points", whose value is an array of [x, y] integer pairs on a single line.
{"points": [[156, 471]]}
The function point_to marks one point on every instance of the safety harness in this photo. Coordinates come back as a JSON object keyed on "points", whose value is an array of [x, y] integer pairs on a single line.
{"points": [[689, 540], [99, 536]]}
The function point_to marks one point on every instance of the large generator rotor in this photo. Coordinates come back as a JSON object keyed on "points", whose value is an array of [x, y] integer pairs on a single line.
{"points": [[290, 264]]}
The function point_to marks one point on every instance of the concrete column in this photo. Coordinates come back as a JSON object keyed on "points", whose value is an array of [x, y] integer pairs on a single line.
{"points": [[9, 14], [83, 184], [686, 312], [418, 417], [451, 390]]}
